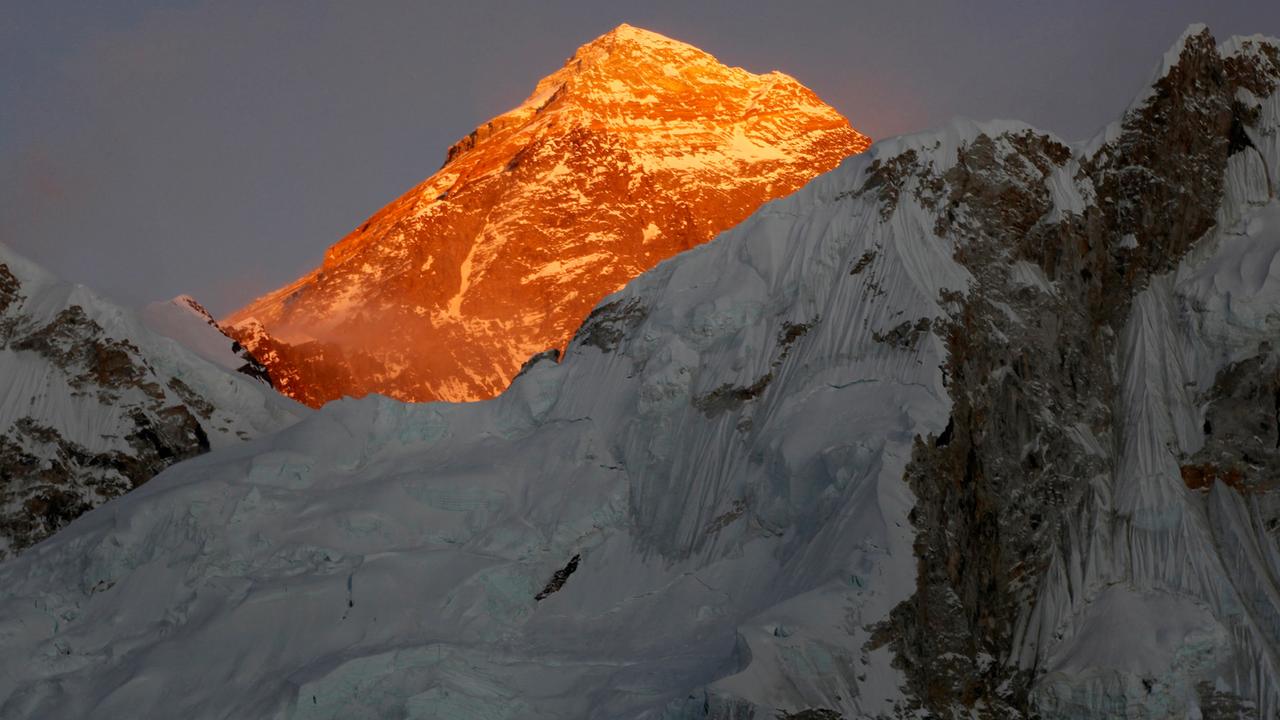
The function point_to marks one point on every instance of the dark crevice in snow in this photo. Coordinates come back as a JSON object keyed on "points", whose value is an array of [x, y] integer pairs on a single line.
{"points": [[558, 579]]}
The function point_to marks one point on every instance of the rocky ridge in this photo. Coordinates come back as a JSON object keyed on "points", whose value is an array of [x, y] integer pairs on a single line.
{"points": [[1054, 499], [94, 404]]}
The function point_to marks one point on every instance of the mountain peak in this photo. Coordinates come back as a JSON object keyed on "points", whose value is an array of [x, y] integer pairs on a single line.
{"points": [[637, 148], [625, 33], [631, 57], [1194, 47], [193, 306], [632, 40]]}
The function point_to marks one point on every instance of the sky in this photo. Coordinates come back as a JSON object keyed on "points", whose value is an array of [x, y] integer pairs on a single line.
{"points": [[217, 147]]}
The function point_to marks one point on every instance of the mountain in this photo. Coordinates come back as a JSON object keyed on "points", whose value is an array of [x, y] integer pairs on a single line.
{"points": [[184, 319], [94, 403], [638, 148], [979, 424]]}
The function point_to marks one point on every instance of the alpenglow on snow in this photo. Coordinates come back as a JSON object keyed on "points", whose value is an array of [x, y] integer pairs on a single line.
{"points": [[638, 148]]}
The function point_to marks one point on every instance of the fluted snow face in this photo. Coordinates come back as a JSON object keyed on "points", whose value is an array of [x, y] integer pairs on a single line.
{"points": [[1191, 535]]}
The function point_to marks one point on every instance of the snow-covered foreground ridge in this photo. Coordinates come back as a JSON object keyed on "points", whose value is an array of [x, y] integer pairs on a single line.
{"points": [[976, 424], [95, 400]]}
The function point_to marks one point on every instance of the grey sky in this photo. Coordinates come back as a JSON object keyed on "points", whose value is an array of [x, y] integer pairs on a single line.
{"points": [[217, 147]]}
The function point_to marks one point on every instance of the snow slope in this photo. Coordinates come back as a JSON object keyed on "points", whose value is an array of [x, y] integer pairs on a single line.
{"points": [[976, 425], [94, 403], [185, 320], [418, 535]]}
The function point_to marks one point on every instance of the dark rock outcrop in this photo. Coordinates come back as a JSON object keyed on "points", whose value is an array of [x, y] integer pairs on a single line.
{"points": [[1030, 369], [559, 578], [47, 479]]}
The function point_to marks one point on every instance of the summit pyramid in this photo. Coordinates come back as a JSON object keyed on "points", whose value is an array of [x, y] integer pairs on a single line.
{"points": [[638, 148]]}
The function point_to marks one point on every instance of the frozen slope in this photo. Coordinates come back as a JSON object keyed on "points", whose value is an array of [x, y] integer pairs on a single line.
{"points": [[93, 403], [716, 428], [976, 425]]}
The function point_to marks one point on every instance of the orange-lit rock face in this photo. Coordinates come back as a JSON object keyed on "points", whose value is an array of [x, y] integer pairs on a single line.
{"points": [[638, 148]]}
